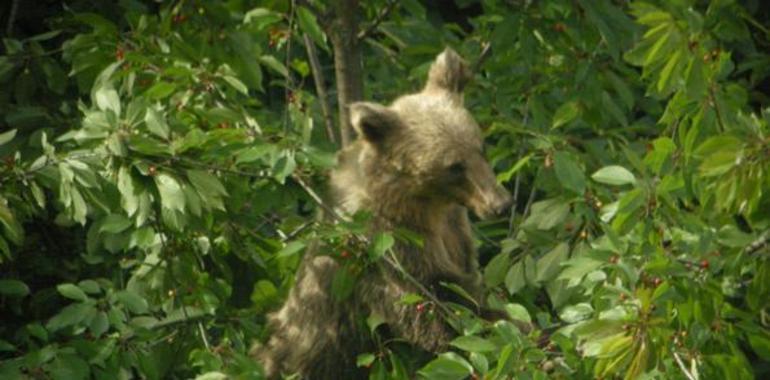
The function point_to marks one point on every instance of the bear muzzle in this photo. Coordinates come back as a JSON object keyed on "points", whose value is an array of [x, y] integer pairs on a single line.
{"points": [[491, 202]]}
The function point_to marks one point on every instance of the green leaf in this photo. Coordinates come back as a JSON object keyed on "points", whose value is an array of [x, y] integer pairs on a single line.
{"points": [[236, 83], [576, 313], [664, 84], [447, 366], [99, 324], [365, 360], [518, 312], [663, 148], [13, 229], [549, 265], [70, 315], [614, 175], [171, 194], [496, 269], [565, 114], [133, 301], [719, 155], [69, 366], [381, 243], [206, 183], [264, 293], [5, 346], [128, 198], [284, 166], [621, 88], [290, 249], [309, 25], [343, 284], [374, 320], [160, 90], [89, 286], [569, 173], [13, 288], [410, 299], [506, 176], [156, 123], [107, 98], [577, 267], [760, 343], [115, 223], [7, 136], [608, 104], [79, 208], [274, 64], [515, 279], [72, 291], [473, 344]]}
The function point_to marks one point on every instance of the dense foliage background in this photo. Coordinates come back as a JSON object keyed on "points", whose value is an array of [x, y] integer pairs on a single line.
{"points": [[162, 165]]}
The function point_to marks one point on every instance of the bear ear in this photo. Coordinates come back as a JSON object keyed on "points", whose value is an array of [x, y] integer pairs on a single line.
{"points": [[373, 122], [449, 72]]}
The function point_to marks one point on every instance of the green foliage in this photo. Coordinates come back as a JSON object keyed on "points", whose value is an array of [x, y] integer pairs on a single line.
{"points": [[161, 164]]}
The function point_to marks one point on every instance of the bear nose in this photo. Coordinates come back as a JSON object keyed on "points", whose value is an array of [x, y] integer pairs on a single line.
{"points": [[502, 203]]}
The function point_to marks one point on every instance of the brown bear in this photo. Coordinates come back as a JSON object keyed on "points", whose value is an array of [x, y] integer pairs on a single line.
{"points": [[418, 164]]}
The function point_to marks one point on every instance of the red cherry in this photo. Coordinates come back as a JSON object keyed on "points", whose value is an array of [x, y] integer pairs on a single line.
{"points": [[704, 264], [420, 307]]}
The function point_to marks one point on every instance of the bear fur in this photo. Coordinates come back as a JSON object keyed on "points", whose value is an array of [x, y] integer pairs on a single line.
{"points": [[417, 164]]}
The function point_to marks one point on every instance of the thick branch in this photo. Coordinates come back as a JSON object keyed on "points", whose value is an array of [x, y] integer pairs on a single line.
{"points": [[320, 88], [343, 33]]}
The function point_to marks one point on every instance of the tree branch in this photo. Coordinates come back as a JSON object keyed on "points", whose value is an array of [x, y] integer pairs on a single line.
{"points": [[318, 78], [378, 19], [486, 47], [390, 259], [681, 365], [11, 18], [289, 83], [348, 67], [758, 244]]}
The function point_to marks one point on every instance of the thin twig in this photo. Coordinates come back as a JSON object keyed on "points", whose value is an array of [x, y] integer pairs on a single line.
{"points": [[713, 100], [486, 47], [392, 260], [517, 181], [320, 88], [389, 259], [681, 365], [176, 283], [299, 230], [203, 336], [526, 208], [11, 18], [316, 198], [289, 83], [378, 19], [758, 244]]}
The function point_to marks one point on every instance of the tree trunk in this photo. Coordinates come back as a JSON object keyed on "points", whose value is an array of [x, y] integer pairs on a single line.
{"points": [[347, 61]]}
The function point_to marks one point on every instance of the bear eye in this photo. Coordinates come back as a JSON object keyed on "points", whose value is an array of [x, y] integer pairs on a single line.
{"points": [[457, 168]]}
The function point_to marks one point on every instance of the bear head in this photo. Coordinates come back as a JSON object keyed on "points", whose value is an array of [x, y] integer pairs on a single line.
{"points": [[428, 145]]}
